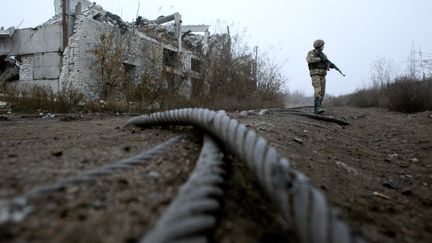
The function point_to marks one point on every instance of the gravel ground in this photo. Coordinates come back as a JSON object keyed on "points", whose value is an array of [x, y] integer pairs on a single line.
{"points": [[376, 170]]}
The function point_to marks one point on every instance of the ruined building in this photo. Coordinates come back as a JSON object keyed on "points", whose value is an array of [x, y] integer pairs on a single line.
{"points": [[61, 51]]}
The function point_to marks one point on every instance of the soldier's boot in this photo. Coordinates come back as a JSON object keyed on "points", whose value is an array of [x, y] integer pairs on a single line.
{"points": [[320, 110], [317, 104]]}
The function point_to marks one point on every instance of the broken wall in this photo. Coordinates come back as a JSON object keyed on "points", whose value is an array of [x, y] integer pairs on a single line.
{"points": [[39, 53], [79, 58], [33, 40], [142, 54]]}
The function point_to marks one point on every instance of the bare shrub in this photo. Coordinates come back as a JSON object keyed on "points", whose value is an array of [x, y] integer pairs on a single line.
{"points": [[404, 94], [108, 68], [341, 100], [30, 98], [409, 95], [382, 72], [233, 79], [366, 97], [68, 98]]}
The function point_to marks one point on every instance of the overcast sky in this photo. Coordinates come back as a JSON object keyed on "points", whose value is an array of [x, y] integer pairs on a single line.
{"points": [[356, 32]]}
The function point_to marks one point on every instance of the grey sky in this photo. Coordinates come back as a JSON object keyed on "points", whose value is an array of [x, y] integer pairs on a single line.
{"points": [[356, 32]]}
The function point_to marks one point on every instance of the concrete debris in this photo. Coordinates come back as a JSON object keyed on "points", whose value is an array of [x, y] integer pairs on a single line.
{"points": [[407, 191], [14, 210], [244, 113], [381, 195], [7, 33], [346, 167], [298, 140], [154, 174], [5, 107], [263, 112], [390, 184], [391, 157], [47, 115]]}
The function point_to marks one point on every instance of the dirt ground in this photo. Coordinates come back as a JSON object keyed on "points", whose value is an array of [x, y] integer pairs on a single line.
{"points": [[377, 170]]}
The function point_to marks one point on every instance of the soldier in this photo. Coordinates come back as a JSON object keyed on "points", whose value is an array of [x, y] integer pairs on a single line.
{"points": [[318, 67]]}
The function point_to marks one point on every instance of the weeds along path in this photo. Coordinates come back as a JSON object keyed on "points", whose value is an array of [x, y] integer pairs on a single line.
{"points": [[90, 180]]}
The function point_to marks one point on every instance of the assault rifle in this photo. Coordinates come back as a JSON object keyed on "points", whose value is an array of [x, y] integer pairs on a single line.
{"points": [[328, 62]]}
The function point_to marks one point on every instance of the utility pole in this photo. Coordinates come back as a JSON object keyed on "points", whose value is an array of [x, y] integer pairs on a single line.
{"points": [[256, 64], [412, 62], [64, 22]]}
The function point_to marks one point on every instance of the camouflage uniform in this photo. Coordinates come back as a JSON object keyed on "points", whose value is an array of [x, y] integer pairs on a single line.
{"points": [[318, 67], [317, 71]]}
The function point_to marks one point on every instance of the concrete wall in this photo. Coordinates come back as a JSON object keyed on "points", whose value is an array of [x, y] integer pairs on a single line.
{"points": [[39, 69], [29, 41], [46, 66]]}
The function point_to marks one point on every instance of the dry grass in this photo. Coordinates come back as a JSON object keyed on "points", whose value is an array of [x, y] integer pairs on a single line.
{"points": [[43, 98], [404, 94]]}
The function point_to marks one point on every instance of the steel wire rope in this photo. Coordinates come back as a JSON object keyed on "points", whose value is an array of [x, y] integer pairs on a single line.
{"points": [[190, 216], [301, 205], [10, 208]]}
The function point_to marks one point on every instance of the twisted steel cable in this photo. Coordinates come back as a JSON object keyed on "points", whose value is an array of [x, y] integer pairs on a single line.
{"points": [[17, 208], [302, 205], [189, 217]]}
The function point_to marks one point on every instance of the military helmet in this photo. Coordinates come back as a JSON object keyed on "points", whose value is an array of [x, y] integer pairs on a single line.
{"points": [[318, 43]]}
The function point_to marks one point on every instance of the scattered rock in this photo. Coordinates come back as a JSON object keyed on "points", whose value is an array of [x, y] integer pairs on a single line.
{"points": [[4, 118], [391, 157], [15, 210], [298, 140], [414, 160], [346, 167], [390, 184], [47, 115], [381, 195], [68, 118], [407, 191], [244, 113], [97, 205], [427, 202], [123, 182], [57, 153], [154, 174], [262, 112]]}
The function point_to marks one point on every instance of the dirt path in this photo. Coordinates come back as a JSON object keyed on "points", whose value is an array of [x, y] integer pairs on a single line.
{"points": [[377, 170]]}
